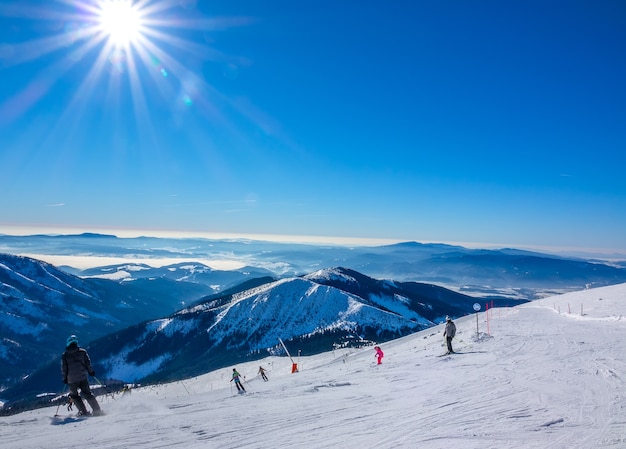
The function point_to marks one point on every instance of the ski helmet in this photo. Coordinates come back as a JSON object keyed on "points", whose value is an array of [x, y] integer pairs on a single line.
{"points": [[71, 339]]}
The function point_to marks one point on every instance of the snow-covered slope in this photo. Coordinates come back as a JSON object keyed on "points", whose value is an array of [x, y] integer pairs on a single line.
{"points": [[550, 374]]}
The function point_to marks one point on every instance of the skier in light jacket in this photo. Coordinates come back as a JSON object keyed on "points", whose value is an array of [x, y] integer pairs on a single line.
{"points": [[449, 333], [75, 366], [262, 373], [237, 378]]}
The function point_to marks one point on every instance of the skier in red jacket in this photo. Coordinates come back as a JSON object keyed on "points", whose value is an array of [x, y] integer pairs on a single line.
{"points": [[379, 354]]}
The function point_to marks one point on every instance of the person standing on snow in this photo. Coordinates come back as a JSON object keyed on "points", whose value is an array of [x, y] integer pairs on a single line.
{"points": [[262, 373], [75, 366], [449, 333], [379, 354], [237, 378]]}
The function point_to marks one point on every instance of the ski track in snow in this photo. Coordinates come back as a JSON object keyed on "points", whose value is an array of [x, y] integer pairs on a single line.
{"points": [[541, 379]]}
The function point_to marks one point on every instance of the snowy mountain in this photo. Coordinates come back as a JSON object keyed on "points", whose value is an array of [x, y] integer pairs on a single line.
{"points": [[327, 309], [40, 305], [546, 374], [194, 272]]}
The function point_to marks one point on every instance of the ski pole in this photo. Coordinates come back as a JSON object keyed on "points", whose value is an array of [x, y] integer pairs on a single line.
{"points": [[62, 393]]}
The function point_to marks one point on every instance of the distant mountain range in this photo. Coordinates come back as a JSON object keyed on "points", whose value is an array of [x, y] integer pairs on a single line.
{"points": [[507, 271]]}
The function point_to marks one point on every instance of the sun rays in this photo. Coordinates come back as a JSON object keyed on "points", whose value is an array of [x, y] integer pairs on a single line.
{"points": [[145, 44]]}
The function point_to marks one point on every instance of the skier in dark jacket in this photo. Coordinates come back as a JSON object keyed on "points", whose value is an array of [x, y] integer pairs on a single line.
{"points": [[75, 366], [449, 333]]}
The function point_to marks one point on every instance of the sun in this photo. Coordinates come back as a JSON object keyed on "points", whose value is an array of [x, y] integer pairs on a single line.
{"points": [[120, 21]]}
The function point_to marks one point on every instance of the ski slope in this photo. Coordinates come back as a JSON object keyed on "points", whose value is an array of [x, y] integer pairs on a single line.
{"points": [[544, 376]]}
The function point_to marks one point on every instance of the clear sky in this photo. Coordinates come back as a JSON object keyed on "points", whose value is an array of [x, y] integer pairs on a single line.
{"points": [[481, 121]]}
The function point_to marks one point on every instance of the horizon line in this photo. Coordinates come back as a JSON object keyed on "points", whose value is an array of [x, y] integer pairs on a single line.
{"points": [[55, 230]]}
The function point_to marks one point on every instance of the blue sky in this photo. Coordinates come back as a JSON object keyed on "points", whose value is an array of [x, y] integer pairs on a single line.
{"points": [[484, 122]]}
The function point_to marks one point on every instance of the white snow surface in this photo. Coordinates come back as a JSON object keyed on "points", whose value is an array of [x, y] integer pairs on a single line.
{"points": [[540, 376]]}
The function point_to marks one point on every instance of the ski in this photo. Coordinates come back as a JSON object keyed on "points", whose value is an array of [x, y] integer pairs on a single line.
{"points": [[76, 416], [449, 353], [67, 419]]}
